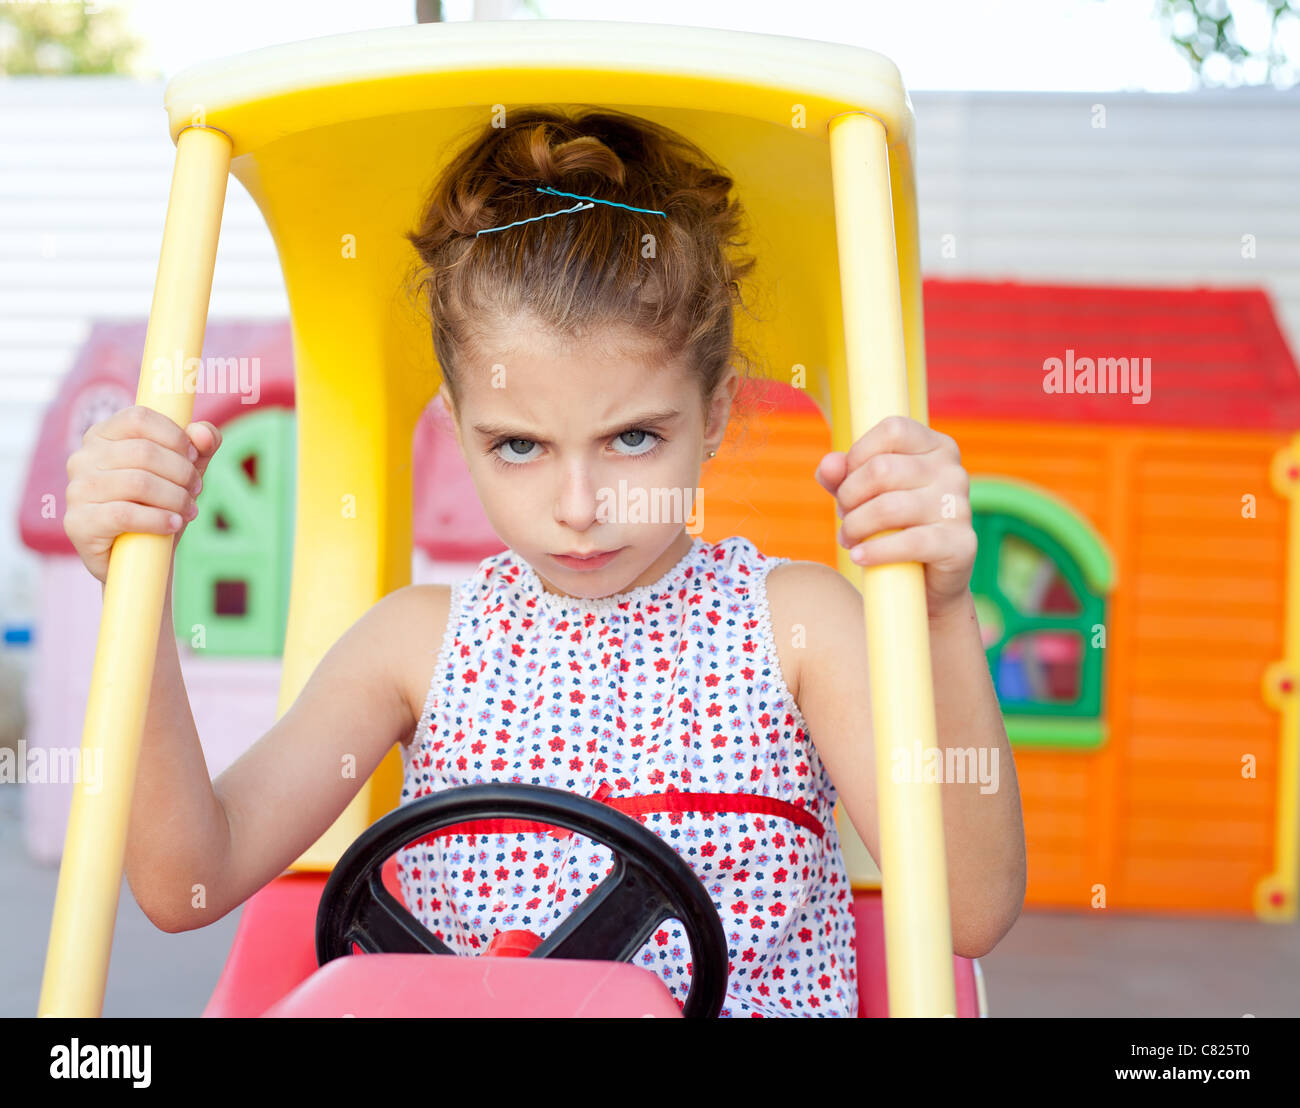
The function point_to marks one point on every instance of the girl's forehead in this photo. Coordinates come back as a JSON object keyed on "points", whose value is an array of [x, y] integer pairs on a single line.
{"points": [[589, 383]]}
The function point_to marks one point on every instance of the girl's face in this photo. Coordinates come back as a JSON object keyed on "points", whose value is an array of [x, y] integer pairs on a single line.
{"points": [[585, 447]]}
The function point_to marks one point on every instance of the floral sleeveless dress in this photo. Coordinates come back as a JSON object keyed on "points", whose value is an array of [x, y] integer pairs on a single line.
{"points": [[666, 701]]}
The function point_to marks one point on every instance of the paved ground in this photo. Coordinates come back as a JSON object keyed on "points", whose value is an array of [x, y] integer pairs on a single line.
{"points": [[1048, 965]]}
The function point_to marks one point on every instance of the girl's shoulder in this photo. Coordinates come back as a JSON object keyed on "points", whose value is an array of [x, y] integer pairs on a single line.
{"points": [[418, 632], [811, 597]]}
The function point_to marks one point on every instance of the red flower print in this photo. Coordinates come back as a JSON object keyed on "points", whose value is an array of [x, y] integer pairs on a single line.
{"points": [[576, 699]]}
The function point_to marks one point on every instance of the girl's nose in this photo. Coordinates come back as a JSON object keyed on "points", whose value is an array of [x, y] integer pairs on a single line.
{"points": [[577, 499]]}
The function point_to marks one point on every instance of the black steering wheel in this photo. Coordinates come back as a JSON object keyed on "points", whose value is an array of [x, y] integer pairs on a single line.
{"points": [[650, 882]]}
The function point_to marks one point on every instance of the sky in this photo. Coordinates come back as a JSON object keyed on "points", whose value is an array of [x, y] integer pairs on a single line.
{"points": [[1023, 45]]}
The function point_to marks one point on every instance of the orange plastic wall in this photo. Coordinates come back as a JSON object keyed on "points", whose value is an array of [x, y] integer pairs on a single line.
{"points": [[1161, 816]]}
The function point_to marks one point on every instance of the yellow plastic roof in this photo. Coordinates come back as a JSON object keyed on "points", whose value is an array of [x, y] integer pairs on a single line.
{"points": [[590, 58]]}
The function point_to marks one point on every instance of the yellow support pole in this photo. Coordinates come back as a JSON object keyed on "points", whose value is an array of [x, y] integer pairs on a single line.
{"points": [[90, 876], [918, 932]]}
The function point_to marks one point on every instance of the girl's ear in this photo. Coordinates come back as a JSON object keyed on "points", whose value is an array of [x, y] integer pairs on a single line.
{"points": [[445, 396], [715, 424]]}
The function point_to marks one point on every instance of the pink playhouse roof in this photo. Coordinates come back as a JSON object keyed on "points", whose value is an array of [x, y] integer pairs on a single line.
{"points": [[1217, 359]]}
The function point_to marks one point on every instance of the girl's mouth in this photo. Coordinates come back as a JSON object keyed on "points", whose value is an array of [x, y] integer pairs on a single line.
{"points": [[593, 561]]}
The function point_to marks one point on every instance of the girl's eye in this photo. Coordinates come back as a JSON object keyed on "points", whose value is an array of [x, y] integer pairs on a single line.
{"points": [[507, 451], [641, 442]]}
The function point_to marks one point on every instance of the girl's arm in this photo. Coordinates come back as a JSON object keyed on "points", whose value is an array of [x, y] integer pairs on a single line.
{"points": [[983, 829], [199, 848], [903, 495]]}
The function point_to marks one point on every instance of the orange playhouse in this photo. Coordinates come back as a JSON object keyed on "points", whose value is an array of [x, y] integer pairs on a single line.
{"points": [[1138, 578]]}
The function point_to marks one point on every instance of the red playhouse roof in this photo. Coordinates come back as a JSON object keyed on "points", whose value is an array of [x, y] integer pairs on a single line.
{"points": [[1217, 359]]}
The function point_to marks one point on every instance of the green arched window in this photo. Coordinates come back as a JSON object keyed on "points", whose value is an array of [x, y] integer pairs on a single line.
{"points": [[1041, 582], [234, 561]]}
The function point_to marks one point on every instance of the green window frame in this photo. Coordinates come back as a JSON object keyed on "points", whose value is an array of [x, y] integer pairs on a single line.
{"points": [[234, 562], [1016, 524]]}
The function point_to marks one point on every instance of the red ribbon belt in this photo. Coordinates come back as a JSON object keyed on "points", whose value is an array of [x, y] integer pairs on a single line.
{"points": [[642, 804]]}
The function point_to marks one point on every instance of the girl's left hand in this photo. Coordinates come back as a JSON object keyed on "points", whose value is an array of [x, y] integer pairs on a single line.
{"points": [[902, 474]]}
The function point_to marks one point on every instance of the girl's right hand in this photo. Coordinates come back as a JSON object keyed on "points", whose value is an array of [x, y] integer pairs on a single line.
{"points": [[136, 471]]}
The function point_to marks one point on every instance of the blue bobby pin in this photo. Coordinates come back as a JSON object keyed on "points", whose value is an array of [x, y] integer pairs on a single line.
{"points": [[576, 208]]}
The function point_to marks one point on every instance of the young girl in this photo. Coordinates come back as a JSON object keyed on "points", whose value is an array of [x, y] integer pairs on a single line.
{"points": [[581, 284]]}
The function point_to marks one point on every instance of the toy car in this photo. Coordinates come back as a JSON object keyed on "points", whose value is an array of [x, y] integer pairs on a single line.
{"points": [[334, 140]]}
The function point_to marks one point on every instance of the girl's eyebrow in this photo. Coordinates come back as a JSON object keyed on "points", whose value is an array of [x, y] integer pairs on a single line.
{"points": [[502, 430]]}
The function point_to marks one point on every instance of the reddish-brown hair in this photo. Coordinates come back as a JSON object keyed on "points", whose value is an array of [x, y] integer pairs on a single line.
{"points": [[577, 273]]}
